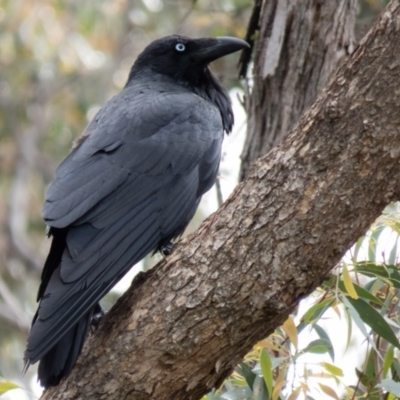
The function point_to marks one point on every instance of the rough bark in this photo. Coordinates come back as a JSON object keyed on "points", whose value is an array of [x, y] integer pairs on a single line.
{"points": [[183, 326], [300, 44]]}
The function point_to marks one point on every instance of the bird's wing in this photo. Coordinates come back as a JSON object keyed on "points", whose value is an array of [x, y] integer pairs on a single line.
{"points": [[137, 138], [133, 183]]}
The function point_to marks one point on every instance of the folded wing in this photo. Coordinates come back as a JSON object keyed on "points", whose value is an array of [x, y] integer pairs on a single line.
{"points": [[131, 186]]}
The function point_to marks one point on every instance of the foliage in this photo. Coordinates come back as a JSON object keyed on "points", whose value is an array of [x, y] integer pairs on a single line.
{"points": [[363, 293]]}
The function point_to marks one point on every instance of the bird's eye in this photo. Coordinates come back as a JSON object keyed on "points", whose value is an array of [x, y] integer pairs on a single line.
{"points": [[180, 47]]}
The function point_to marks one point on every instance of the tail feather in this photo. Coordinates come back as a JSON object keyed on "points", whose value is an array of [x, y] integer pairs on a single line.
{"points": [[71, 289], [58, 362]]}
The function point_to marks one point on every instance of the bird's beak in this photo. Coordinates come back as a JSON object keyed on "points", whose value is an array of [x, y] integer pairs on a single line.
{"points": [[218, 47]]}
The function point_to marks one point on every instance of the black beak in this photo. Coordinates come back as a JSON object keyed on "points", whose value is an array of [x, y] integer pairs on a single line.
{"points": [[218, 47]]}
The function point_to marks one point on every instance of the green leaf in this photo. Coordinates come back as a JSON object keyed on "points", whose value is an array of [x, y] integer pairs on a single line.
{"points": [[323, 335], [246, 372], [386, 273], [330, 282], [373, 319], [319, 346], [260, 392], [349, 327], [387, 361], [362, 377], [266, 368], [333, 369], [236, 393], [314, 313], [370, 370], [395, 369], [275, 361], [390, 386], [356, 318], [6, 386], [361, 292], [373, 242]]}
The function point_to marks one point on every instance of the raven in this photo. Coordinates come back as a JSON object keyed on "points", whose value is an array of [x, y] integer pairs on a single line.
{"points": [[130, 185]]}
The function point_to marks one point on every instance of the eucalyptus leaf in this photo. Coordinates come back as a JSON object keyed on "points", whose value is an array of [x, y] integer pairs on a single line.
{"points": [[373, 242], [387, 361], [387, 273], [361, 292], [314, 313], [260, 391], [266, 368], [375, 320], [323, 335], [318, 346], [248, 374], [237, 393], [390, 386], [275, 361], [358, 321]]}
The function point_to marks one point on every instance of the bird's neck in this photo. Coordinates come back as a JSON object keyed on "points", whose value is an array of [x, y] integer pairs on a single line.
{"points": [[212, 90], [206, 85]]}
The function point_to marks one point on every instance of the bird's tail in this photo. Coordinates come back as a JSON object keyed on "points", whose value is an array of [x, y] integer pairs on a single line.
{"points": [[58, 362]]}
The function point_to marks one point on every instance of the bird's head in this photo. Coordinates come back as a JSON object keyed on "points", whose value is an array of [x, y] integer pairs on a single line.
{"points": [[184, 61], [183, 58]]}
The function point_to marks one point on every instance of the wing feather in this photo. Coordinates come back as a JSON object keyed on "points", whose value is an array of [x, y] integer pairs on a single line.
{"points": [[131, 185]]}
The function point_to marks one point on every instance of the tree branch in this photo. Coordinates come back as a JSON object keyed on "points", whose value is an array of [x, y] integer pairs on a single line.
{"points": [[186, 323]]}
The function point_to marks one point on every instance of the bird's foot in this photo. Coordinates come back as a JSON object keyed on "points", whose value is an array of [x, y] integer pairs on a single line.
{"points": [[167, 249], [97, 316]]}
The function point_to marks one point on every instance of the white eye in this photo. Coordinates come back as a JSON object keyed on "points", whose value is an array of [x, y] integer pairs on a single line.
{"points": [[180, 47]]}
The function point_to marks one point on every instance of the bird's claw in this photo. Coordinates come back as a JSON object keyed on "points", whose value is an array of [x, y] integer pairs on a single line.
{"points": [[97, 316], [167, 249]]}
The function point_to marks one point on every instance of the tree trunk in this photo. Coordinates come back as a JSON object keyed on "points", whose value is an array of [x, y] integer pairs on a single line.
{"points": [[300, 44], [183, 326]]}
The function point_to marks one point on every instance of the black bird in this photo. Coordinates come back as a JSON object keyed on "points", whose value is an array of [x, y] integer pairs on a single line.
{"points": [[130, 186]]}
